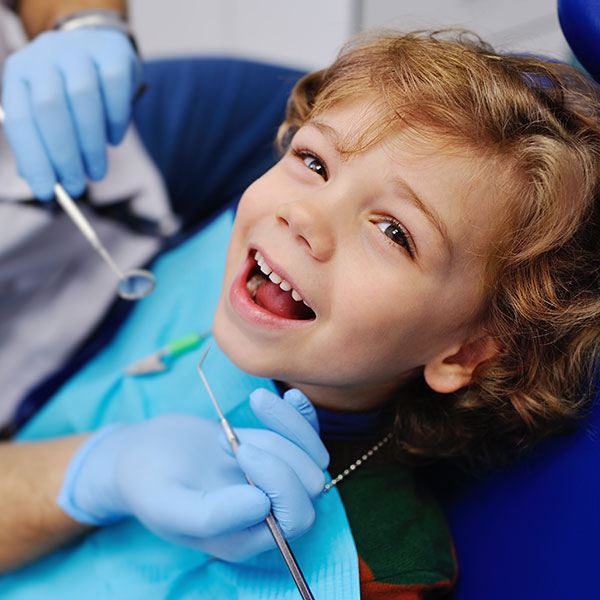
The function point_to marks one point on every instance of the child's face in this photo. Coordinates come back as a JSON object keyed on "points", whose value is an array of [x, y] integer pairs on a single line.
{"points": [[387, 247]]}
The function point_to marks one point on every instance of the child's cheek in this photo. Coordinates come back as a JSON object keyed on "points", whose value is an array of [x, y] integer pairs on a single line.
{"points": [[255, 204], [253, 195]]}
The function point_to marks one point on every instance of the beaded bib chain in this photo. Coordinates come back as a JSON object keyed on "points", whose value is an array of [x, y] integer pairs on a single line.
{"points": [[350, 469]]}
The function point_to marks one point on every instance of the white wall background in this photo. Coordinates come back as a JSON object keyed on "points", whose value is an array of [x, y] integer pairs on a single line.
{"points": [[305, 34], [521, 25], [308, 34]]}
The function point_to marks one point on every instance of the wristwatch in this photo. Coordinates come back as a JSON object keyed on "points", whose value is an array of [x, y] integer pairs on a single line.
{"points": [[96, 17]]}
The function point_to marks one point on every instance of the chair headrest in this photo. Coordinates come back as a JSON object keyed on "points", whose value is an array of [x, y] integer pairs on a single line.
{"points": [[580, 22]]}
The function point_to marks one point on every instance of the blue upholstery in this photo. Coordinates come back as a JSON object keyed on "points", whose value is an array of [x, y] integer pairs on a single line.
{"points": [[209, 124], [531, 531], [580, 22]]}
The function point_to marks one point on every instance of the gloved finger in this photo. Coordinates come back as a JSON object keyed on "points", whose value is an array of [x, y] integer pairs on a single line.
{"points": [[118, 76], [33, 163], [303, 405], [54, 120], [290, 503], [179, 511], [235, 547], [85, 101], [279, 416], [308, 472]]}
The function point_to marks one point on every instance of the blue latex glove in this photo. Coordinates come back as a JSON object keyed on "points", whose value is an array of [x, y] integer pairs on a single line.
{"points": [[177, 476], [65, 95]]}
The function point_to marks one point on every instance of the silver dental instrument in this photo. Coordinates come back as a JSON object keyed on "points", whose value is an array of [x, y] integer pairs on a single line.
{"points": [[272, 524], [133, 283]]}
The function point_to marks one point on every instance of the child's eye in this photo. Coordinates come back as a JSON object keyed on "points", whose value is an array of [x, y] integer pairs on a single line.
{"points": [[313, 162], [397, 234]]}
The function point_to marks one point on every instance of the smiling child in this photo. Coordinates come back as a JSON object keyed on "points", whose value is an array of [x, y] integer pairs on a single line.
{"points": [[422, 260], [435, 210]]}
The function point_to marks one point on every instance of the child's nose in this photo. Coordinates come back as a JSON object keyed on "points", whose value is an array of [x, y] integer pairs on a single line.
{"points": [[309, 226]]}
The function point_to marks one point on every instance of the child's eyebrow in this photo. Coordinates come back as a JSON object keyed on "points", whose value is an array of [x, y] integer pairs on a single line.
{"points": [[326, 130], [404, 190]]}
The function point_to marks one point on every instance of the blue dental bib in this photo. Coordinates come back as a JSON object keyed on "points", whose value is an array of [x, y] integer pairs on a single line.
{"points": [[124, 560]]}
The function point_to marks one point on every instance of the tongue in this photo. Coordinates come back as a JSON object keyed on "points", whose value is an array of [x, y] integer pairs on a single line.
{"points": [[272, 298]]}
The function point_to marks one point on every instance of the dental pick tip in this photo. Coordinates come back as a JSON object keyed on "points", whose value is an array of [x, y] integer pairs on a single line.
{"points": [[207, 386], [203, 357]]}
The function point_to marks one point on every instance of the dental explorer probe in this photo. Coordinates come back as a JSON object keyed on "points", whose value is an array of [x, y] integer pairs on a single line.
{"points": [[134, 283], [272, 524]]}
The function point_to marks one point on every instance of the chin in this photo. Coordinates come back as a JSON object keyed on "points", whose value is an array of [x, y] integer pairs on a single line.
{"points": [[240, 351]]}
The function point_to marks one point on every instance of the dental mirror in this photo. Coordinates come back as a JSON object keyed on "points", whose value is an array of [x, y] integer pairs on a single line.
{"points": [[133, 284]]}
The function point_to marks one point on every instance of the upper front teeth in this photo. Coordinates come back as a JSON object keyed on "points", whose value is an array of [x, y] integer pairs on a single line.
{"points": [[283, 284]]}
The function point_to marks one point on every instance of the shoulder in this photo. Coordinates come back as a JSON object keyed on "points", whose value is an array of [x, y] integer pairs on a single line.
{"points": [[403, 542]]}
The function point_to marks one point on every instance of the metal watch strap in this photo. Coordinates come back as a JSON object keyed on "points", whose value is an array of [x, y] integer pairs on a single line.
{"points": [[97, 17]]}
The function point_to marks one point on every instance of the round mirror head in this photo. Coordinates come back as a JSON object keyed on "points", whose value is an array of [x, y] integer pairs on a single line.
{"points": [[136, 284]]}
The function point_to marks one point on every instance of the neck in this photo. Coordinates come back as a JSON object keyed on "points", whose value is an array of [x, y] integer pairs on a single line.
{"points": [[348, 398]]}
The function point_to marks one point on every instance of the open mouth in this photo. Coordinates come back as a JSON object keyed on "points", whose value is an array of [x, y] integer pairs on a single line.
{"points": [[274, 294]]}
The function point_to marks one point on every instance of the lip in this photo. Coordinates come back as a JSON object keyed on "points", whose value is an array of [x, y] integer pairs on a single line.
{"points": [[249, 311]]}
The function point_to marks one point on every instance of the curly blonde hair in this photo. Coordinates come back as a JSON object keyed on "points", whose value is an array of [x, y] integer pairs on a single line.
{"points": [[539, 119]]}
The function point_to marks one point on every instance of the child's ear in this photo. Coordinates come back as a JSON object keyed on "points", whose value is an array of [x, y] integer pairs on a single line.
{"points": [[453, 369]]}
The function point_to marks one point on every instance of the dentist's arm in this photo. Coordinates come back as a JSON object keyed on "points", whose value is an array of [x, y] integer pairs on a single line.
{"points": [[67, 94], [31, 523]]}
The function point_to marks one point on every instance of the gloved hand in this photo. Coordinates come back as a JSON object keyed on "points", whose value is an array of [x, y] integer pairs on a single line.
{"points": [[176, 474], [65, 95]]}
